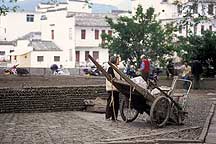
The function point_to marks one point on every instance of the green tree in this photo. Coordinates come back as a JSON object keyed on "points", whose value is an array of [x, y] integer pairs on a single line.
{"points": [[202, 47], [139, 34]]}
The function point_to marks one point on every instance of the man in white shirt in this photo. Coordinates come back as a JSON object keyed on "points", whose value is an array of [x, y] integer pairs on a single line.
{"points": [[186, 73]]}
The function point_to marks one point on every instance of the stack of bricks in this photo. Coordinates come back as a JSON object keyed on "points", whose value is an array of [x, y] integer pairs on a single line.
{"points": [[48, 99]]}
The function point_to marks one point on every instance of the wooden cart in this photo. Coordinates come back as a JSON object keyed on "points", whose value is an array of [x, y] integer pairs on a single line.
{"points": [[161, 109]]}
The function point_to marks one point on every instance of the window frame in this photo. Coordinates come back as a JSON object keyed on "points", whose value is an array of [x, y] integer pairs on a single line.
{"points": [[83, 34], [29, 17], [97, 32], [58, 58], [40, 60]]}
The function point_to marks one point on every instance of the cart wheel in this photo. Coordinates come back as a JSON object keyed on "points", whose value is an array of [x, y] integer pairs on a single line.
{"points": [[160, 111], [128, 114], [176, 115]]}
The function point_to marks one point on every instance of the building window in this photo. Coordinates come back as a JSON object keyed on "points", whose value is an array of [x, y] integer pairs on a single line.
{"points": [[70, 33], [83, 34], [96, 34], [110, 32], [77, 56], [103, 39], [43, 17], [195, 8], [210, 28], [202, 29], [25, 56], [96, 55], [52, 34], [40, 58], [2, 52], [180, 29], [56, 58], [30, 18], [15, 57], [210, 9], [195, 29], [86, 55]]}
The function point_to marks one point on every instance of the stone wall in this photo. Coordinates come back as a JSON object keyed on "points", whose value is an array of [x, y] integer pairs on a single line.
{"points": [[47, 99]]}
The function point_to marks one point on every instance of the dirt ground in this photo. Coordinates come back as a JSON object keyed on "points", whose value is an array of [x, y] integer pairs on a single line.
{"points": [[32, 81]]}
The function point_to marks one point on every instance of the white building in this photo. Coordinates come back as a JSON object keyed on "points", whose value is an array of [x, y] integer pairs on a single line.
{"points": [[31, 51], [173, 10], [15, 25], [88, 30], [75, 34]]}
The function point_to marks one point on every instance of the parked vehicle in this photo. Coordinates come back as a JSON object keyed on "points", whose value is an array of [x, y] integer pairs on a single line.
{"points": [[92, 71], [16, 71]]}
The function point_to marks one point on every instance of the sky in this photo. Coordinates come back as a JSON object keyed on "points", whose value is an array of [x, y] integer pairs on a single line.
{"points": [[120, 4]]}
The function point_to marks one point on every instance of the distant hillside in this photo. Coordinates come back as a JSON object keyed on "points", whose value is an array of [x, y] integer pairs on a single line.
{"points": [[29, 5], [102, 8]]}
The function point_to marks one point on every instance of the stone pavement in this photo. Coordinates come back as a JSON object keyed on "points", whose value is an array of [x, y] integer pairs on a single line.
{"points": [[211, 134], [67, 127]]}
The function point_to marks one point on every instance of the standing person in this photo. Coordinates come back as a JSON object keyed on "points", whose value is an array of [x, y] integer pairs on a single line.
{"points": [[145, 67], [186, 73], [196, 71], [113, 99], [54, 68], [170, 69]]}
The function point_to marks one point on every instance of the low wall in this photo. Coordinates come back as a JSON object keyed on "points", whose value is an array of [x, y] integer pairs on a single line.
{"points": [[47, 99], [205, 83]]}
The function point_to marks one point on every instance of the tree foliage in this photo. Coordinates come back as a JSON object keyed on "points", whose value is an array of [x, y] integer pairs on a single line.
{"points": [[139, 34], [202, 47], [6, 6]]}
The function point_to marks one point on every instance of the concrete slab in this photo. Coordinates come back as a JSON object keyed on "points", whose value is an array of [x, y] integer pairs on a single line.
{"points": [[212, 130]]}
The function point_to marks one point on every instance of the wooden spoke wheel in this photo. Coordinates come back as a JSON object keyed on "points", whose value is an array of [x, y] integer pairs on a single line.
{"points": [[128, 113], [177, 115], [160, 111]]}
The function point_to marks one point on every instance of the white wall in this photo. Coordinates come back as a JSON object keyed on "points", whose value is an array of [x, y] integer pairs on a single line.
{"points": [[75, 6], [61, 24], [166, 10], [103, 55], [90, 36], [6, 49], [17, 26], [48, 58]]}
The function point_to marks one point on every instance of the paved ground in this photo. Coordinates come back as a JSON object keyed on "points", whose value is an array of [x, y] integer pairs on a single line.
{"points": [[83, 127], [211, 134]]}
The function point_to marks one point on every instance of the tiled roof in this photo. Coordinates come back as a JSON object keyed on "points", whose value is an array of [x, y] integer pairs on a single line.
{"points": [[31, 36], [8, 43], [91, 19], [207, 1], [39, 45]]}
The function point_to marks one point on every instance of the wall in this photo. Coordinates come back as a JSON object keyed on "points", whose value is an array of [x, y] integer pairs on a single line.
{"points": [[48, 58], [60, 23], [90, 36], [48, 99], [17, 26], [7, 49]]}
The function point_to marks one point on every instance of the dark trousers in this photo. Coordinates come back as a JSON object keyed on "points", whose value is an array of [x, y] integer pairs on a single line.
{"points": [[109, 108], [196, 81], [186, 84], [145, 76]]}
